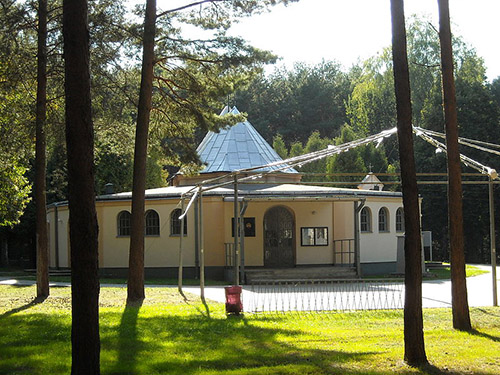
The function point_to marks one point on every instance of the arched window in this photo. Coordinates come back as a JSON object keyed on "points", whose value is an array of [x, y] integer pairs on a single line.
{"points": [[152, 223], [400, 220], [366, 220], [383, 220], [123, 222], [175, 223]]}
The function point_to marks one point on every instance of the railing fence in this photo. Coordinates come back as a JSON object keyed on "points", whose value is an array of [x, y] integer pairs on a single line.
{"points": [[324, 295]]}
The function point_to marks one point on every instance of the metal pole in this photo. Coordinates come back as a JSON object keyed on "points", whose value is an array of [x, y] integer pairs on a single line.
{"points": [[493, 243], [202, 245], [236, 233], [180, 247], [357, 210], [430, 246], [196, 239], [56, 235], [242, 241]]}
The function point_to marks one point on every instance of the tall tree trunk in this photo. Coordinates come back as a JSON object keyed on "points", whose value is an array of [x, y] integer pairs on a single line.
{"points": [[135, 286], [413, 320], [42, 246], [460, 306], [82, 218]]}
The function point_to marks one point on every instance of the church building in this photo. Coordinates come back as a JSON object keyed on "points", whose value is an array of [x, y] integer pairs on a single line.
{"points": [[286, 224]]}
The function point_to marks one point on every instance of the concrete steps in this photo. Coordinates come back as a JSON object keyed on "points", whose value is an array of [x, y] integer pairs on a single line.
{"points": [[300, 273], [436, 265], [52, 272]]}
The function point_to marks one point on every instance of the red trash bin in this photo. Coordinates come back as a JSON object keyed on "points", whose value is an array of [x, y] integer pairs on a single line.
{"points": [[233, 300]]}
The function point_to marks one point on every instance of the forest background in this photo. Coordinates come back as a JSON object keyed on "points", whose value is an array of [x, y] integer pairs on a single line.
{"points": [[299, 109]]}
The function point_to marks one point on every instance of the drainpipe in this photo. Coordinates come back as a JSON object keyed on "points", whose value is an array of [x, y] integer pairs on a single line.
{"points": [[493, 243], [236, 233], [358, 206], [244, 206], [180, 246], [56, 234], [196, 240], [202, 250]]}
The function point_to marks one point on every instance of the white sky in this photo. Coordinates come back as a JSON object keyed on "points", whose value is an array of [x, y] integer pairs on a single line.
{"points": [[348, 30]]}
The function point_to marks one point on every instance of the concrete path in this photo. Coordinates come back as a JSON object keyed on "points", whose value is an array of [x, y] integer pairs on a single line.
{"points": [[435, 293]]}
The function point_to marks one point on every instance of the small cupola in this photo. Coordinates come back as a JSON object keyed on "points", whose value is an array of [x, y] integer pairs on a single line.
{"points": [[371, 182]]}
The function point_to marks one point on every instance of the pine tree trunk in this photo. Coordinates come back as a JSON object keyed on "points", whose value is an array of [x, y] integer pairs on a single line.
{"points": [[135, 287], [413, 320], [82, 218], [42, 246], [460, 306]]}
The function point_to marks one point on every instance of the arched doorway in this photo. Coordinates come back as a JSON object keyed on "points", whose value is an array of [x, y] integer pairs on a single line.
{"points": [[279, 238]]}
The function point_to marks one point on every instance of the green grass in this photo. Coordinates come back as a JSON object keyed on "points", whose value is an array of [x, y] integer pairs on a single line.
{"points": [[445, 273], [433, 274], [21, 275], [442, 274], [168, 335]]}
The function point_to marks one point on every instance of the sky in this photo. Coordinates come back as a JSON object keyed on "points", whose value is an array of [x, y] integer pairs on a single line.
{"points": [[348, 31]]}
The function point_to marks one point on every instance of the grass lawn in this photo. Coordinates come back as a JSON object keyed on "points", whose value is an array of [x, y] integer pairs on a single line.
{"points": [[168, 335], [445, 273], [442, 274], [22, 275]]}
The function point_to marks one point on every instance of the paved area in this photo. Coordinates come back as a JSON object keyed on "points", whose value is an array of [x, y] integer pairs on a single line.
{"points": [[435, 293]]}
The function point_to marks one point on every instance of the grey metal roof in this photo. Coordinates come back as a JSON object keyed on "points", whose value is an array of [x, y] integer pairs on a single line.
{"points": [[285, 191], [237, 147]]}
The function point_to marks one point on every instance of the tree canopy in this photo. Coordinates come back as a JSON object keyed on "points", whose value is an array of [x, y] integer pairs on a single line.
{"points": [[199, 68]]}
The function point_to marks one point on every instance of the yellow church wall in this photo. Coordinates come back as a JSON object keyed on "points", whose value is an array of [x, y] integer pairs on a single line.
{"points": [[61, 226], [51, 236], [380, 246], [306, 214], [64, 255], [99, 213], [254, 255], [113, 249], [213, 231], [159, 251], [343, 218], [162, 250], [314, 214]]}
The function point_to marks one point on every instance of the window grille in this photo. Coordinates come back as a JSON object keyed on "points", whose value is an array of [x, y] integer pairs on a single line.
{"points": [[383, 220], [366, 220], [152, 223], [124, 223], [175, 223], [400, 220]]}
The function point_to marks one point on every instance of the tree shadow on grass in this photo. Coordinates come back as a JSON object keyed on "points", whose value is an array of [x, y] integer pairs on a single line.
{"points": [[205, 313], [35, 301], [475, 332], [191, 344], [35, 343], [495, 314], [129, 344], [430, 369], [19, 286], [184, 345]]}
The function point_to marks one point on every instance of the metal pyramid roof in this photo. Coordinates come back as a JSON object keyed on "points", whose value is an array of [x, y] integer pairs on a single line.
{"points": [[237, 147]]}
